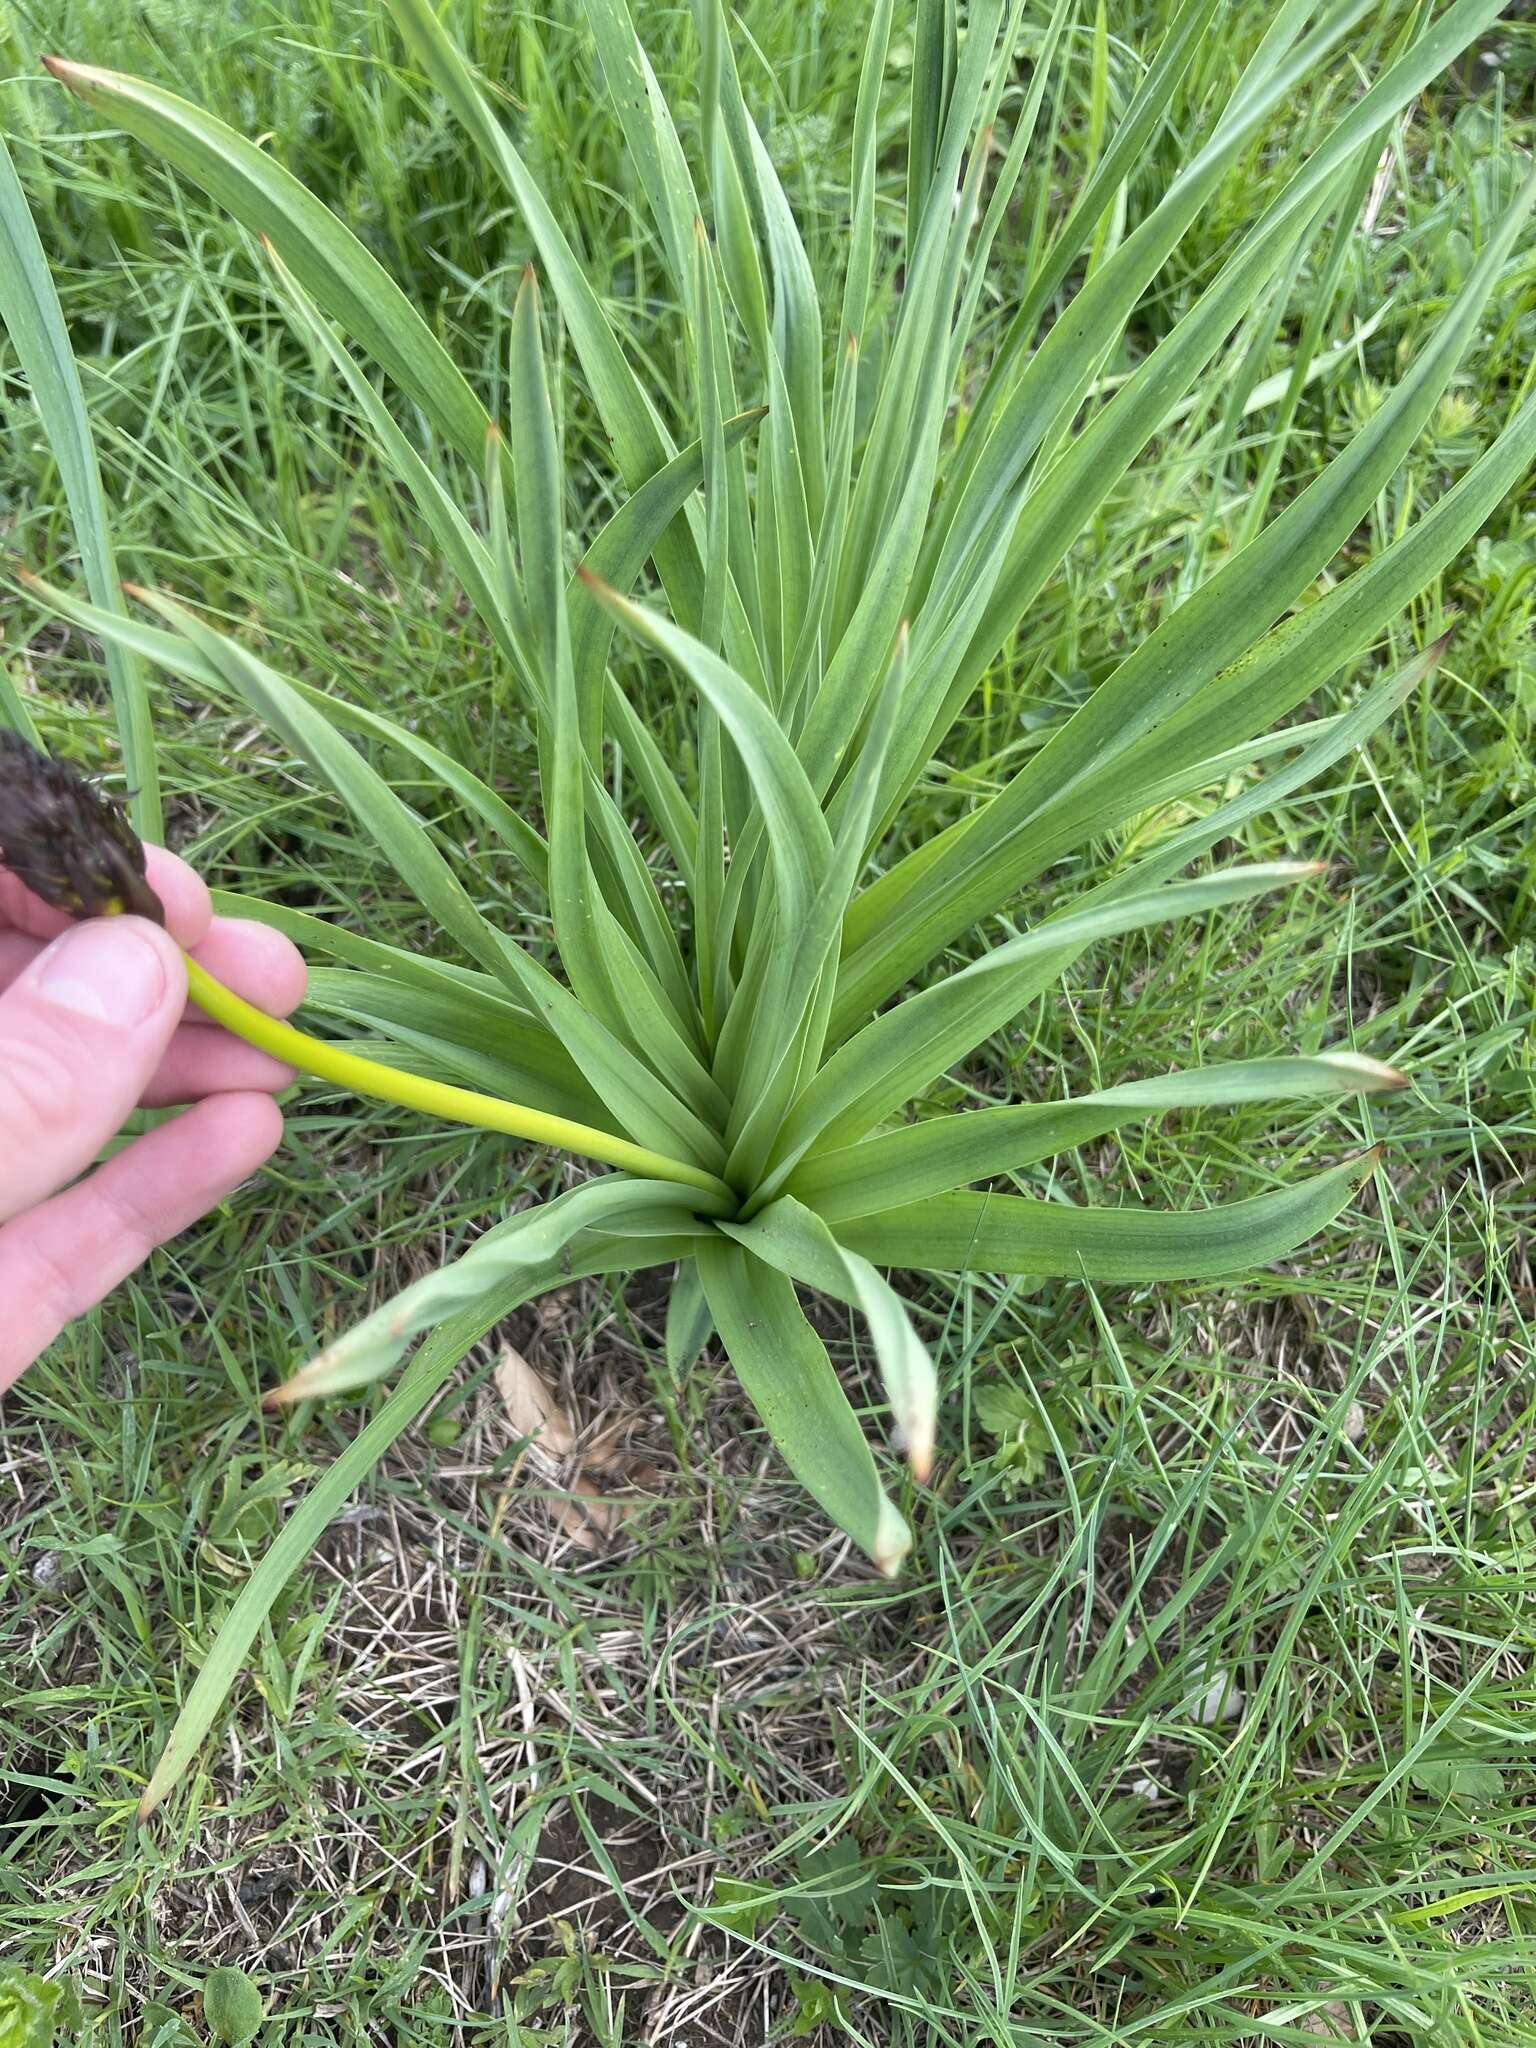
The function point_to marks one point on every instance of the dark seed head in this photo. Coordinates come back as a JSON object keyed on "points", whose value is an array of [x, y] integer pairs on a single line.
{"points": [[67, 840]]}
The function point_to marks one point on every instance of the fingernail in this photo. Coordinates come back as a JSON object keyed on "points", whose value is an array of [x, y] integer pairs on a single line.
{"points": [[102, 970]]}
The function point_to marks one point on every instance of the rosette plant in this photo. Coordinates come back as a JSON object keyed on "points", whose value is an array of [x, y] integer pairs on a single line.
{"points": [[755, 968]]}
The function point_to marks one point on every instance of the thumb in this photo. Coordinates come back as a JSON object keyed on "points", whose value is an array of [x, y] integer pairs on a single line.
{"points": [[81, 1032]]}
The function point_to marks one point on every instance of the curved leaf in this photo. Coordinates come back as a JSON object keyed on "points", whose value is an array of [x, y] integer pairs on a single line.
{"points": [[326, 257], [943, 1152], [1054, 1240], [796, 1241], [30, 310], [533, 1240], [902, 1050], [423, 1379], [923, 903], [788, 1377]]}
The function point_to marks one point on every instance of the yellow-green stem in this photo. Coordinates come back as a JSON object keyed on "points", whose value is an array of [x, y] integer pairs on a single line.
{"points": [[329, 1062]]}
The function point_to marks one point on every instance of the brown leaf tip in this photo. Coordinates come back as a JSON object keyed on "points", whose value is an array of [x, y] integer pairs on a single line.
{"points": [[78, 77]]}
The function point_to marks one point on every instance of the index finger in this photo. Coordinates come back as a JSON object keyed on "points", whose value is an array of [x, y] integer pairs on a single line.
{"points": [[184, 893]]}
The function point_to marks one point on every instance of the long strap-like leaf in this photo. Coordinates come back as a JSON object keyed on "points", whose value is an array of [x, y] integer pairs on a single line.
{"points": [[940, 1153], [904, 1049], [325, 256], [425, 1377], [29, 307], [1043, 1240], [922, 903], [530, 1241], [788, 1377], [797, 1241]]}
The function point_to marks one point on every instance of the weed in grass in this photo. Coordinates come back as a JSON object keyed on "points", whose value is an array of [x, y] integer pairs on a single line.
{"points": [[1411, 971], [746, 1087]]}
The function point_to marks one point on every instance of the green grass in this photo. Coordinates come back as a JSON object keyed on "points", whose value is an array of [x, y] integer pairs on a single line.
{"points": [[482, 1784]]}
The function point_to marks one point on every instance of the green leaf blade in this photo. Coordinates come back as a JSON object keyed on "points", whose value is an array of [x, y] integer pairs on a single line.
{"points": [[1054, 1240], [788, 1377]]}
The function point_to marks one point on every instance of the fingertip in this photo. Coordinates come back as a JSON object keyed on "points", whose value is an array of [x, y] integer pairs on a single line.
{"points": [[165, 944], [258, 963], [251, 1126], [233, 1134], [97, 971], [183, 892]]}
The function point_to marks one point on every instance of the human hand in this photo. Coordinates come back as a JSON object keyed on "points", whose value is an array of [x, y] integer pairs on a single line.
{"points": [[91, 1026]]}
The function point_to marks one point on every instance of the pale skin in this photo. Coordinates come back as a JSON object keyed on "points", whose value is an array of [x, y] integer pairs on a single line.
{"points": [[93, 1024]]}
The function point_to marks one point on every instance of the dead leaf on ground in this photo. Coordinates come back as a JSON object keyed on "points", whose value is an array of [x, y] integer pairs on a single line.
{"points": [[604, 1482], [533, 1408], [1330, 2022]]}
